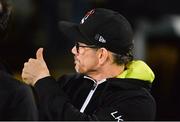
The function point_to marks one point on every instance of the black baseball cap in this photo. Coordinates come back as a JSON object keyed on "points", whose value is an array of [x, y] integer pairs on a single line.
{"points": [[103, 28]]}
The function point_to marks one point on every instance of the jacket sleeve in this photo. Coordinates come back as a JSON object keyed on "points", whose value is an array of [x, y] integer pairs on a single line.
{"points": [[54, 104]]}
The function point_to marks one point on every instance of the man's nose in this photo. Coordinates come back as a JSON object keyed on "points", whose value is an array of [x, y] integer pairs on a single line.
{"points": [[73, 50]]}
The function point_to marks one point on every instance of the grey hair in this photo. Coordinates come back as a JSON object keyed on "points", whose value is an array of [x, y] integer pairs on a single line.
{"points": [[122, 59]]}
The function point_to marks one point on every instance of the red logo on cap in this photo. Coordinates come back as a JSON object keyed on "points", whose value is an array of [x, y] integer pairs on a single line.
{"points": [[87, 15]]}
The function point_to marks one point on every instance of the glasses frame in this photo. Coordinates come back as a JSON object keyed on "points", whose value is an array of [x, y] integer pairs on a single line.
{"points": [[77, 45]]}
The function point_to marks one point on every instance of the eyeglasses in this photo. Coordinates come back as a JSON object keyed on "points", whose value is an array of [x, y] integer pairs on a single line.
{"points": [[77, 45]]}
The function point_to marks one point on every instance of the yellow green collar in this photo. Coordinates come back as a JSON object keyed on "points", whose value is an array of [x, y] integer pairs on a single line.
{"points": [[138, 69]]}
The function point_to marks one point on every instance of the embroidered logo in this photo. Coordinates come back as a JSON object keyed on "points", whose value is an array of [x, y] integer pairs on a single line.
{"points": [[87, 15], [116, 116], [100, 38]]}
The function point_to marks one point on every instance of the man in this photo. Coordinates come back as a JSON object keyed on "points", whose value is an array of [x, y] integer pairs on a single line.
{"points": [[16, 98], [108, 85]]}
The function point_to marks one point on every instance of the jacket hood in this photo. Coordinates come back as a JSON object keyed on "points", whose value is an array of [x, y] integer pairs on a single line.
{"points": [[137, 69]]}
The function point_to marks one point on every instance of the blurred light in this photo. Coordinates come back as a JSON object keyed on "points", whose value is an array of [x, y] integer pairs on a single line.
{"points": [[176, 24]]}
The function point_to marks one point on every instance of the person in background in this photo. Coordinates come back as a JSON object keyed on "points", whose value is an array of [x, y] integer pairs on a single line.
{"points": [[16, 98], [109, 85]]}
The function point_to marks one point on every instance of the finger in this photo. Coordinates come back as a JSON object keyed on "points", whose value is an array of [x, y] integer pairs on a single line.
{"points": [[31, 60], [39, 54], [23, 76], [25, 64]]}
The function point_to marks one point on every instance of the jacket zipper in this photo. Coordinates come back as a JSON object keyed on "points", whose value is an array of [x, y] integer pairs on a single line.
{"points": [[86, 102], [93, 89]]}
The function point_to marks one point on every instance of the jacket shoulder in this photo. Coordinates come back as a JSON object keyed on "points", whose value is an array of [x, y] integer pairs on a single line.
{"points": [[8, 82], [64, 79]]}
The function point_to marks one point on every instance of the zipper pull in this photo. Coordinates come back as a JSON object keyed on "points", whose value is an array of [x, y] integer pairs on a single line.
{"points": [[94, 86]]}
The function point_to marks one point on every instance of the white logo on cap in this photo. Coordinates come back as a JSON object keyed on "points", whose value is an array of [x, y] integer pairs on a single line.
{"points": [[86, 16], [101, 39]]}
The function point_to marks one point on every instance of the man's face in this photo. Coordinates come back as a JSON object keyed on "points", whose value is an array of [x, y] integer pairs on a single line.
{"points": [[85, 58]]}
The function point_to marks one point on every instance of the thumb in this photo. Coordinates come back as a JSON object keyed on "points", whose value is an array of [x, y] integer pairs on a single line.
{"points": [[39, 54]]}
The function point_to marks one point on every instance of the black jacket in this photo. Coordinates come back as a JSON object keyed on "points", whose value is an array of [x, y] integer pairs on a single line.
{"points": [[16, 99], [78, 97]]}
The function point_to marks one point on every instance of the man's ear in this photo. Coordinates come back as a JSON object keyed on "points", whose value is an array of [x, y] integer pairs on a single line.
{"points": [[103, 55]]}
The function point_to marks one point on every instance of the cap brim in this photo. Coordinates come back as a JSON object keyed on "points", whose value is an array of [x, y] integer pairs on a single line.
{"points": [[71, 31]]}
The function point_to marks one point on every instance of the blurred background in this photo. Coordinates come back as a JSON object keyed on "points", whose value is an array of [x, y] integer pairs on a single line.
{"points": [[156, 24]]}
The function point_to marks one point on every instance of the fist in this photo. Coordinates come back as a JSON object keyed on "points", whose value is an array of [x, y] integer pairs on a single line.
{"points": [[35, 69]]}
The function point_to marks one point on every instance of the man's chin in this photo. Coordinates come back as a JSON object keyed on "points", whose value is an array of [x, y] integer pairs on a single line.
{"points": [[77, 69]]}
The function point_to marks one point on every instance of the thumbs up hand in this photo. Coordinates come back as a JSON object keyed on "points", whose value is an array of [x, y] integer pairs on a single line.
{"points": [[39, 54], [35, 69]]}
